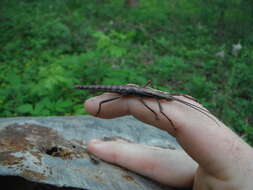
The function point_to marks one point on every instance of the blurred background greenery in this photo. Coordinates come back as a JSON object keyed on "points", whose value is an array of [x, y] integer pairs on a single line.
{"points": [[202, 48]]}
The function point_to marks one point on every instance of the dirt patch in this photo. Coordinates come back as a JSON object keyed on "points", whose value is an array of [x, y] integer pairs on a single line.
{"points": [[29, 173], [37, 141], [7, 159]]}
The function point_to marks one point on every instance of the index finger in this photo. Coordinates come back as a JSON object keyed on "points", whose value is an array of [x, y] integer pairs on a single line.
{"points": [[205, 141]]}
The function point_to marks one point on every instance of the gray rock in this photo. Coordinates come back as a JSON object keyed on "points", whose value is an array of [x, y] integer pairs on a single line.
{"points": [[51, 151]]}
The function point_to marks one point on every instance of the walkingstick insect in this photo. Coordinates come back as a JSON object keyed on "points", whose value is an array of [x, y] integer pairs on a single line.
{"points": [[142, 92]]}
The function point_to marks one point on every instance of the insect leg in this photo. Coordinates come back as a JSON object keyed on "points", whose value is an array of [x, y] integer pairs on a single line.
{"points": [[161, 110], [148, 83], [186, 96], [144, 103], [200, 109], [104, 101]]}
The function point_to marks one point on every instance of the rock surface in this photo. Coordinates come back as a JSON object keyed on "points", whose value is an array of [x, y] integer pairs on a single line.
{"points": [[51, 151]]}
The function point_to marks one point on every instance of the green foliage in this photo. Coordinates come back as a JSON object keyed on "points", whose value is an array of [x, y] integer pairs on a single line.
{"points": [[49, 46]]}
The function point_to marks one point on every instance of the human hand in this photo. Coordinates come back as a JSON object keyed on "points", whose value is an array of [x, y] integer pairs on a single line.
{"points": [[214, 158]]}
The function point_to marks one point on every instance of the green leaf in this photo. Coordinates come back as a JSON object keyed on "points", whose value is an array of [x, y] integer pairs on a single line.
{"points": [[25, 108], [79, 110]]}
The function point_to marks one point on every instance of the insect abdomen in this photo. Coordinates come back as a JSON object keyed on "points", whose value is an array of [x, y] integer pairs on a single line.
{"points": [[103, 88]]}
